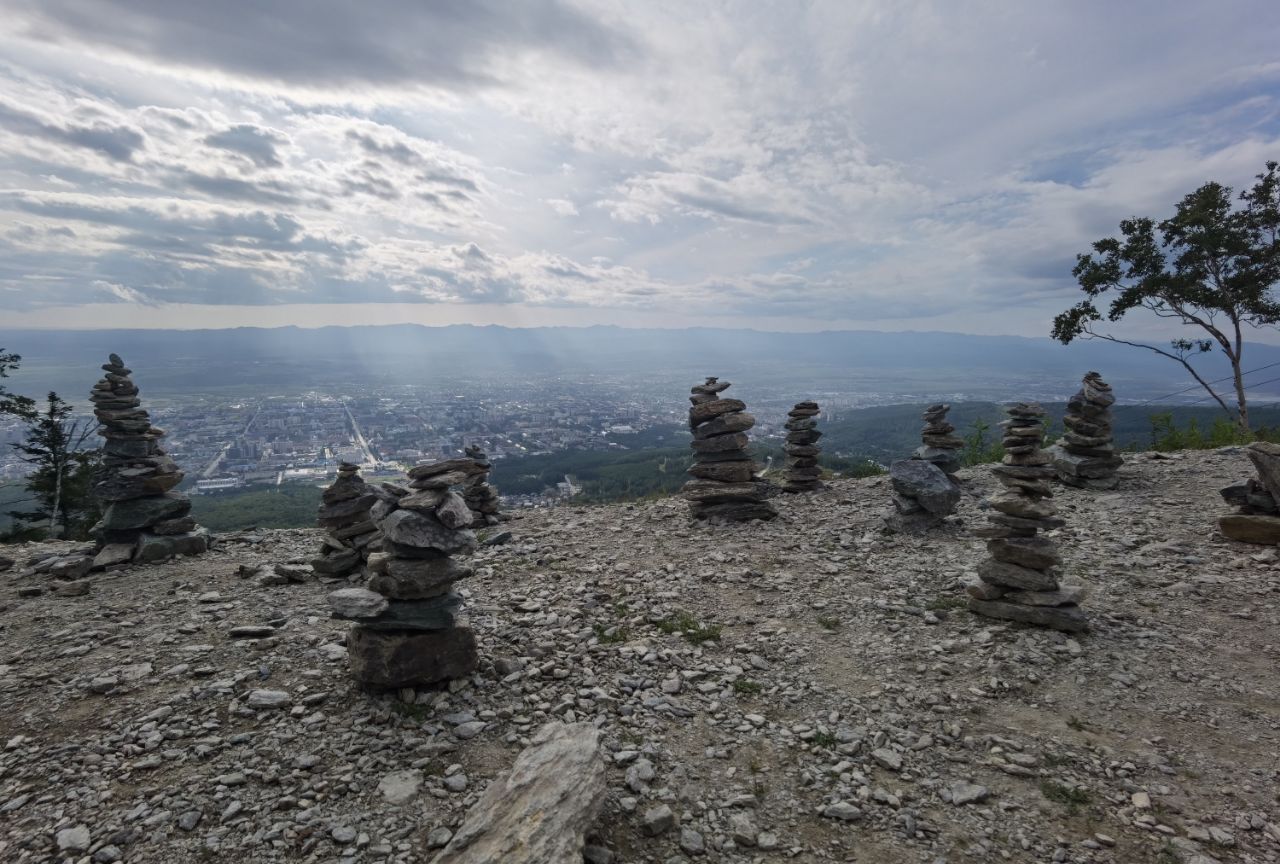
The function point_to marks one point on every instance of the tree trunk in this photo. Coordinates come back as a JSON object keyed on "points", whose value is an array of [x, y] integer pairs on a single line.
{"points": [[1242, 404]]}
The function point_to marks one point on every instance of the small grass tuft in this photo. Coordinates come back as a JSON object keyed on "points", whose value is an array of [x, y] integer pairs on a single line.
{"points": [[824, 739], [604, 637], [746, 686], [946, 602], [1073, 797], [690, 628], [829, 624], [415, 712]]}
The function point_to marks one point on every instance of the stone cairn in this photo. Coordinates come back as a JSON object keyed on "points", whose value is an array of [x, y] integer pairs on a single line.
{"points": [[925, 491], [802, 449], [479, 494], [724, 487], [939, 443], [406, 632], [1019, 582], [1257, 519], [1085, 456], [143, 518], [350, 534]]}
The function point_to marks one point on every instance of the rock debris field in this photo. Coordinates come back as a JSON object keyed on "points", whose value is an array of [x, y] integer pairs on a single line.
{"points": [[806, 689]]}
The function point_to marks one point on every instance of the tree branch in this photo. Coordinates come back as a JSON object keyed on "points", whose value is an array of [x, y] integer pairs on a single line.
{"points": [[1191, 369]]}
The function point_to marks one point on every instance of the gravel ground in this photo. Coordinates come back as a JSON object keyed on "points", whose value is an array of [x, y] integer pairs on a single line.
{"points": [[809, 689]]}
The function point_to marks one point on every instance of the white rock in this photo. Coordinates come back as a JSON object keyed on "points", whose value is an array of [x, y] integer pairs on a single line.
{"points": [[400, 786]]}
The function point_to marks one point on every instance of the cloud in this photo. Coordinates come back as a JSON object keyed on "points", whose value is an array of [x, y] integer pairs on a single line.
{"points": [[328, 43], [115, 142], [835, 160], [258, 145], [562, 206]]}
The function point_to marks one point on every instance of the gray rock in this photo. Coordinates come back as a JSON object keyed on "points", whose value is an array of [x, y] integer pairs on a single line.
{"points": [[156, 547], [392, 660], [1251, 528], [112, 555], [886, 758], [269, 699], [400, 786], [1265, 457], [540, 812], [742, 829], [691, 842], [141, 512], [74, 839], [357, 603], [410, 528], [842, 810], [1037, 553], [926, 484], [968, 793], [658, 820], [1069, 619], [1015, 576]]}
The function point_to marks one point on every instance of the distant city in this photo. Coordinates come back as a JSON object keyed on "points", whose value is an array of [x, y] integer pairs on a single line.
{"points": [[261, 408]]}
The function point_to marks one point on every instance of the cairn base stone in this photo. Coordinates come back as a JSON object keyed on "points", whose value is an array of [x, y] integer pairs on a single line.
{"points": [[113, 555], [138, 513], [925, 483], [1069, 619], [396, 659], [735, 511], [158, 547]]}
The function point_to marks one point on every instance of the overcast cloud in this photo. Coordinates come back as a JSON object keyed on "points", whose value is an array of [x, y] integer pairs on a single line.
{"points": [[905, 165]]}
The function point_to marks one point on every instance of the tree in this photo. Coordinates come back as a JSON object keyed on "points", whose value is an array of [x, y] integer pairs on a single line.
{"points": [[11, 403], [62, 479], [1211, 266]]}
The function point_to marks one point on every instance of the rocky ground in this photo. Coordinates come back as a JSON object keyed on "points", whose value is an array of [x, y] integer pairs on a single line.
{"points": [[808, 689]]}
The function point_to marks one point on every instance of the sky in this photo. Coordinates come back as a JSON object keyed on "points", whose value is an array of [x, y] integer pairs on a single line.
{"points": [[785, 166]]}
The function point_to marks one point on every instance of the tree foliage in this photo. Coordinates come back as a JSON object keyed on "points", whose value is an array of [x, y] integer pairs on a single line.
{"points": [[1211, 266], [11, 403], [61, 482]]}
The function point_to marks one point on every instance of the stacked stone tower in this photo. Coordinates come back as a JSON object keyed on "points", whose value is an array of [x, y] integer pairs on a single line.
{"points": [[940, 445], [144, 518], [1086, 456], [479, 494], [1019, 582], [350, 532], [406, 631], [802, 449], [724, 487], [925, 491]]}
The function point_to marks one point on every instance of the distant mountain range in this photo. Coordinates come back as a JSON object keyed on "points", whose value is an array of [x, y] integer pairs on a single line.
{"points": [[892, 364]]}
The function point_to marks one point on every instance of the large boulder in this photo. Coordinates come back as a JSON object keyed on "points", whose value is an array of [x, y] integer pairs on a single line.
{"points": [[925, 483], [541, 811], [1265, 457]]}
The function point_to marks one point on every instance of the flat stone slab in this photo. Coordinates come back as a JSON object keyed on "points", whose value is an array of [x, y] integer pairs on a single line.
{"points": [[1251, 528], [356, 603], [540, 812], [1069, 619]]}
